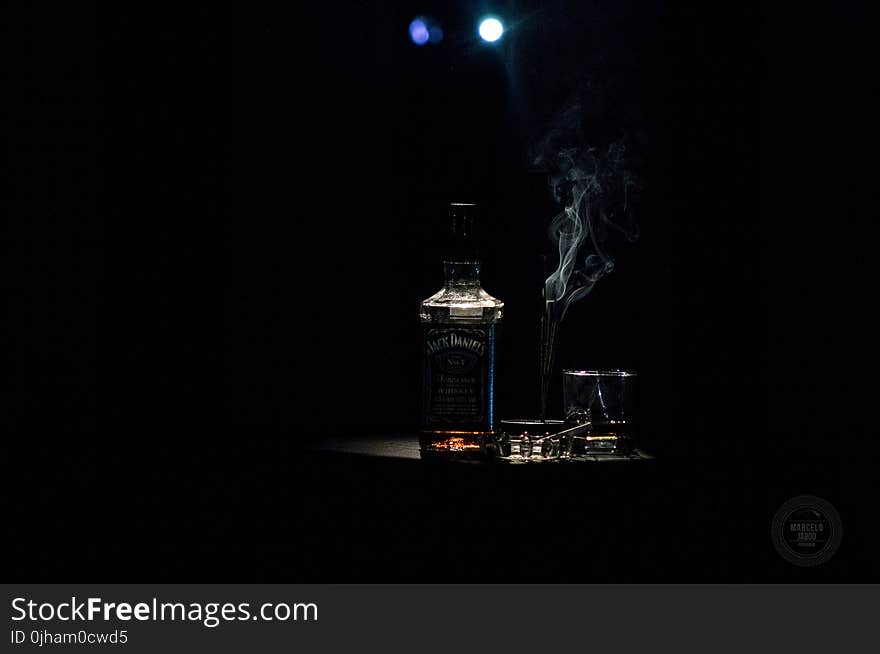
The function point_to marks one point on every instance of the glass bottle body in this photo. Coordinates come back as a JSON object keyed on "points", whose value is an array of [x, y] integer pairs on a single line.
{"points": [[460, 325]]}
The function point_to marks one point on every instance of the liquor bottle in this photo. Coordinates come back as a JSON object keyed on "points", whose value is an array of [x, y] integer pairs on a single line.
{"points": [[460, 324]]}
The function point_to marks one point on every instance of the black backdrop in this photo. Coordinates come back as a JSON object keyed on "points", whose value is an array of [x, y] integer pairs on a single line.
{"points": [[342, 172], [226, 232], [302, 159]]}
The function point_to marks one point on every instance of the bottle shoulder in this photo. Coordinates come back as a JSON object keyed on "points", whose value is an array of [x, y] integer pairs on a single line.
{"points": [[461, 304]]}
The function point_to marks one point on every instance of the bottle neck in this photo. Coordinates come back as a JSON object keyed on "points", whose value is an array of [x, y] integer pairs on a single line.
{"points": [[461, 273]]}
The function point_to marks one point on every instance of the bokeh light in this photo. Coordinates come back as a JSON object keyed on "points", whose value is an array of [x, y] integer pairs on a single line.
{"points": [[491, 29], [436, 34], [418, 31]]}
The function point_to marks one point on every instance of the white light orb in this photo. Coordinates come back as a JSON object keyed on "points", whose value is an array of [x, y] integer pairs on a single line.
{"points": [[491, 29]]}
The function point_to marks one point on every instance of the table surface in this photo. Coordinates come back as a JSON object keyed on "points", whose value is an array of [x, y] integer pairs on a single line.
{"points": [[403, 446], [355, 507]]}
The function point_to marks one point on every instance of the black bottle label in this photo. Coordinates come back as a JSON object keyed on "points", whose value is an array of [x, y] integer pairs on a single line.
{"points": [[459, 377]]}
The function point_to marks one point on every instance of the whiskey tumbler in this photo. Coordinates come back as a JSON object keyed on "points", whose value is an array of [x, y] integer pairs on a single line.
{"points": [[603, 402]]}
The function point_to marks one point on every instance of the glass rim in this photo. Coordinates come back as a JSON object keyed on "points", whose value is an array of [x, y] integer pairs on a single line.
{"points": [[600, 373]]}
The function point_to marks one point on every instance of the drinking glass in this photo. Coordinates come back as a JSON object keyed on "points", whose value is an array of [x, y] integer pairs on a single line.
{"points": [[602, 403]]}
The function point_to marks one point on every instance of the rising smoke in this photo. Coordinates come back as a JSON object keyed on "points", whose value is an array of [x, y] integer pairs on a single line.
{"points": [[596, 188]]}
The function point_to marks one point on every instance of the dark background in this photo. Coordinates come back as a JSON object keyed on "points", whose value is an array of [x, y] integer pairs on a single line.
{"points": [[241, 204], [341, 170], [277, 258]]}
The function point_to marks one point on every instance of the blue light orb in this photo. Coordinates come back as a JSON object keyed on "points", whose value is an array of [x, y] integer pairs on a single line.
{"points": [[436, 33], [491, 29], [418, 32]]}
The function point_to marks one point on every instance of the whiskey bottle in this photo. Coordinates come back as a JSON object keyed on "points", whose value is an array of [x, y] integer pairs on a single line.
{"points": [[460, 327]]}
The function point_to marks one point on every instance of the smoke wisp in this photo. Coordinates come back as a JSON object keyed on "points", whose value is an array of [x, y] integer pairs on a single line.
{"points": [[596, 188]]}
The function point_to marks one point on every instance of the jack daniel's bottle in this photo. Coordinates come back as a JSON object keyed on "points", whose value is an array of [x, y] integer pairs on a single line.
{"points": [[460, 324]]}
